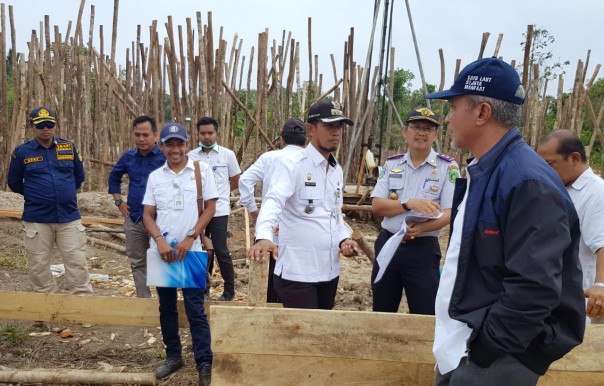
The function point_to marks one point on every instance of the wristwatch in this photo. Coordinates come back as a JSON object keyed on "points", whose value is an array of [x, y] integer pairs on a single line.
{"points": [[404, 204], [192, 233], [118, 202]]}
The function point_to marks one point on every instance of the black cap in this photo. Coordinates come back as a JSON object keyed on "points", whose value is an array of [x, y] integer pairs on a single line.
{"points": [[327, 111], [294, 125]]}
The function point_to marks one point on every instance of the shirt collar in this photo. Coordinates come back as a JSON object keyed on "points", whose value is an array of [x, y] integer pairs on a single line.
{"points": [[216, 149], [583, 179], [189, 165], [317, 158], [37, 144], [430, 159], [155, 150]]}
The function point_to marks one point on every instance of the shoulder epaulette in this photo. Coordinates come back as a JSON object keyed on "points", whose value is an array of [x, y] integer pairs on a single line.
{"points": [[396, 156], [446, 157]]}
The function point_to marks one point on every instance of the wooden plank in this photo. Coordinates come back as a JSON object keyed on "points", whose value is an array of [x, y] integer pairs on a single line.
{"points": [[336, 334], [85, 220], [588, 355], [258, 282], [311, 346], [572, 378], [102, 310], [249, 369]]}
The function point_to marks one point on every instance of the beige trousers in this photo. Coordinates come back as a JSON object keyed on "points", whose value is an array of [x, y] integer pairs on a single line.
{"points": [[70, 239]]}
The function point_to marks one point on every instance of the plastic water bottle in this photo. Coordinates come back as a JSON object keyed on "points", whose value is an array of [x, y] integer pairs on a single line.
{"points": [[99, 277], [172, 242]]}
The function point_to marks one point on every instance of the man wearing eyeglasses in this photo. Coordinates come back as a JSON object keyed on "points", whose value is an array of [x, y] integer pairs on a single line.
{"points": [[48, 171], [418, 182]]}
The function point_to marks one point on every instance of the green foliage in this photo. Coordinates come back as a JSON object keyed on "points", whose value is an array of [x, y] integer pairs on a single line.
{"points": [[13, 335], [549, 67]]}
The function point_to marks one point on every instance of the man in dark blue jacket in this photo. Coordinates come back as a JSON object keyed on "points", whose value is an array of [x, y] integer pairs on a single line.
{"points": [[48, 171], [137, 163], [510, 300]]}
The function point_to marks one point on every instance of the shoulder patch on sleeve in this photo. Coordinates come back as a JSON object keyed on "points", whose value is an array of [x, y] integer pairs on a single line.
{"points": [[446, 157], [395, 156]]}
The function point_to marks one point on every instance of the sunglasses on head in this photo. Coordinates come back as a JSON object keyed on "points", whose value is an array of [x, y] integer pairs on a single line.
{"points": [[45, 125]]}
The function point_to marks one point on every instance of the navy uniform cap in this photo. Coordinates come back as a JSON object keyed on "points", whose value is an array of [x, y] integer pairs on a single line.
{"points": [[490, 77], [42, 114], [173, 130], [422, 114]]}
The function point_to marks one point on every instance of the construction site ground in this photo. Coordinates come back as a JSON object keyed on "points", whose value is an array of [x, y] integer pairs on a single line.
{"points": [[129, 349]]}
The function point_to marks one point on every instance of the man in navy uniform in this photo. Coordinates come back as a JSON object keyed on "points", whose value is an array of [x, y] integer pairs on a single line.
{"points": [[422, 181], [48, 171]]}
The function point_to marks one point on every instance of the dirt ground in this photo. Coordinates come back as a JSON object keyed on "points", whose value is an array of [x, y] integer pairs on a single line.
{"points": [[127, 349]]}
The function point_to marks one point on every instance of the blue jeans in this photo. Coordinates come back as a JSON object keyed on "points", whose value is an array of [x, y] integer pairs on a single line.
{"points": [[198, 323]]}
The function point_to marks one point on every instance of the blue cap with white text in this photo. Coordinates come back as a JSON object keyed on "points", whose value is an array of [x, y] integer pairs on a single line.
{"points": [[490, 77], [173, 130]]}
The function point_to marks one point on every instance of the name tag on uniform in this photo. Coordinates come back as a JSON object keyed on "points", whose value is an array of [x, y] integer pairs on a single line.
{"points": [[64, 151], [179, 202], [395, 175], [32, 160], [309, 193]]}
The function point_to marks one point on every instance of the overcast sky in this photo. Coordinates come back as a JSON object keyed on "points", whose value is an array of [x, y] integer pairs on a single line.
{"points": [[455, 26]]}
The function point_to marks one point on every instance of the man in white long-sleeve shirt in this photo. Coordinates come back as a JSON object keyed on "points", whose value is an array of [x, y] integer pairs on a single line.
{"points": [[293, 140], [306, 203]]}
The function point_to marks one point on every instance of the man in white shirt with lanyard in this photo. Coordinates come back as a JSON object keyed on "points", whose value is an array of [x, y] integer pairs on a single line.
{"points": [[564, 151], [226, 172], [171, 213], [306, 203], [293, 140]]}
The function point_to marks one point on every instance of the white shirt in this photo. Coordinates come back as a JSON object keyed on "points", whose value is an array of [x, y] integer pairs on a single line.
{"points": [[434, 179], [224, 165], [587, 193], [260, 171], [308, 242], [165, 186], [450, 336]]}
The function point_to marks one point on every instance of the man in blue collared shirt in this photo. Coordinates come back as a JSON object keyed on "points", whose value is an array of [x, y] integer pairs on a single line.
{"points": [[137, 163], [48, 171]]}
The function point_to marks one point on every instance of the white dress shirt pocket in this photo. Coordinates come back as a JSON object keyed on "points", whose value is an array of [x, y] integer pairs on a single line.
{"points": [[163, 197]]}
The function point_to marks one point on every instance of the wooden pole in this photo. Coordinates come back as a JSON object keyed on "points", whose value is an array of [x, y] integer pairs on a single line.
{"points": [[363, 244], [74, 377]]}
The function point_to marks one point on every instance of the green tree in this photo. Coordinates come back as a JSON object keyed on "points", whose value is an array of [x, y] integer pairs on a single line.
{"points": [[541, 54]]}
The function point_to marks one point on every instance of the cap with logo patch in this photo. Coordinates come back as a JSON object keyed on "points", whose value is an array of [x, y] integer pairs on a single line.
{"points": [[490, 77], [327, 112], [422, 114], [173, 130], [42, 114]]}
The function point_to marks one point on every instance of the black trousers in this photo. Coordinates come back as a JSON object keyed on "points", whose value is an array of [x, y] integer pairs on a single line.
{"points": [[296, 294], [217, 231], [414, 268], [271, 292]]}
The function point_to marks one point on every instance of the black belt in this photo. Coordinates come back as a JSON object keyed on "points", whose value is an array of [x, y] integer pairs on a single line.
{"points": [[415, 241]]}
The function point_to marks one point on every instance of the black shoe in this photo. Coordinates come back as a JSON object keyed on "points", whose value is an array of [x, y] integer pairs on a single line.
{"points": [[169, 366], [205, 375], [226, 297]]}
